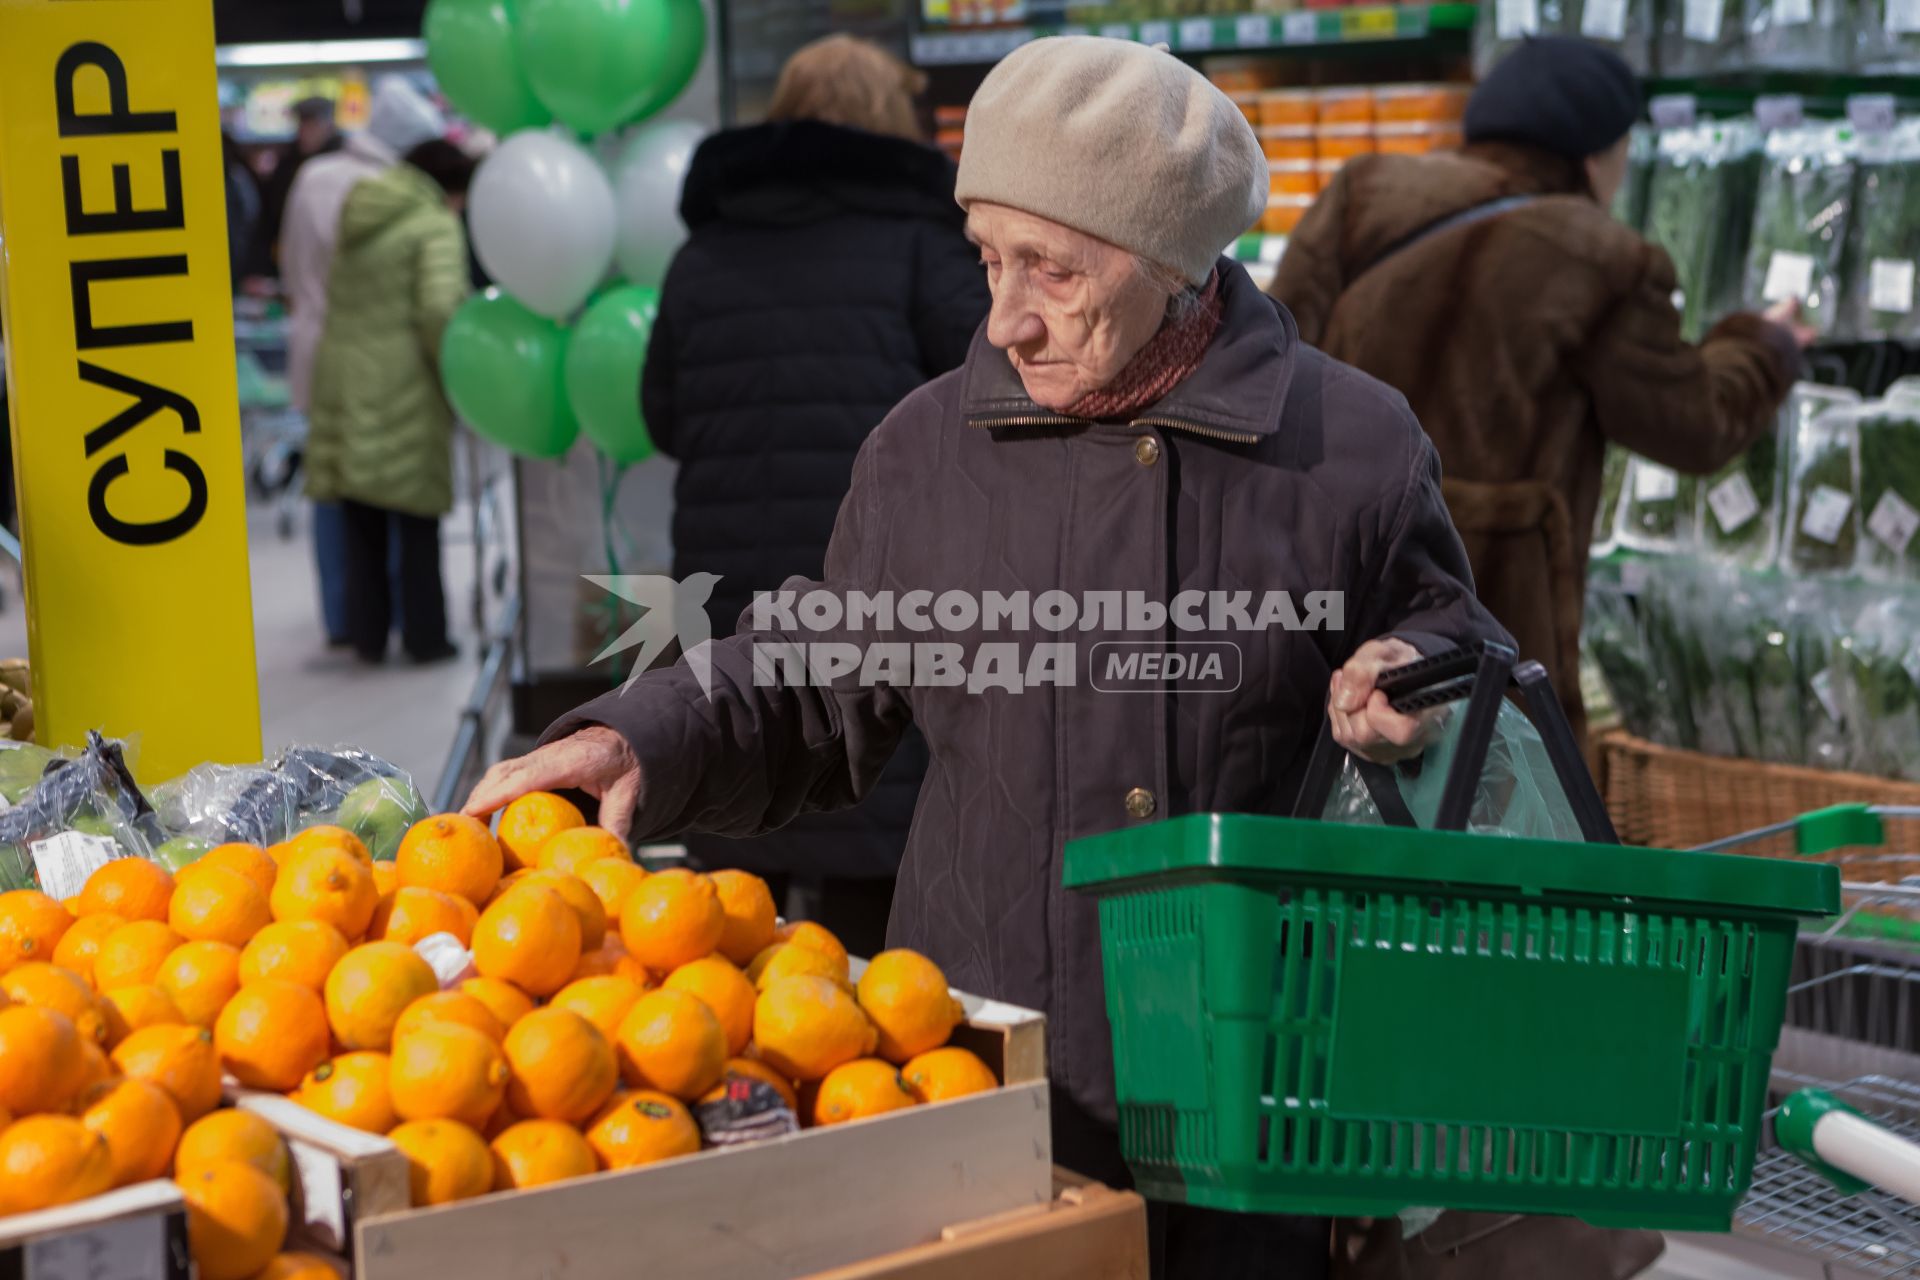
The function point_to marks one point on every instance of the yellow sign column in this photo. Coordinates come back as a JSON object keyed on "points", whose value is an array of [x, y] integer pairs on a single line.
{"points": [[120, 367]]}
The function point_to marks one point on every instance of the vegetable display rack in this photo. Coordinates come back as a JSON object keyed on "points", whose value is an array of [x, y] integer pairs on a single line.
{"points": [[1350, 1020]]}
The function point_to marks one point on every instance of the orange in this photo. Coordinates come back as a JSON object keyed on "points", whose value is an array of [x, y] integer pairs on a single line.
{"points": [[135, 1008], [31, 925], [815, 936], [179, 1059], [249, 860], [602, 1000], [858, 1089], [327, 836], [131, 888], [946, 1073], [670, 920], [503, 1119], [573, 850], [236, 1219], [139, 1122], [351, 1090], [452, 853], [748, 1069], [218, 905], [47, 986], [672, 1042], [805, 1027], [298, 1266], [906, 997], [271, 1034], [327, 884], [302, 951], [531, 938], [536, 1152], [612, 958], [370, 988], [644, 1127], [751, 917], [611, 879], [201, 977], [527, 823], [50, 1160], [133, 953], [95, 1067], [563, 1067], [723, 989], [40, 1060], [446, 1161], [790, 960], [231, 1134], [413, 913], [80, 944], [451, 1006], [386, 877], [505, 883], [506, 1001], [445, 1071], [280, 852]]}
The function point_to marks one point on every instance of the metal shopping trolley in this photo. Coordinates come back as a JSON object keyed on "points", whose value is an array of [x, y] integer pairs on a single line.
{"points": [[1881, 886]]}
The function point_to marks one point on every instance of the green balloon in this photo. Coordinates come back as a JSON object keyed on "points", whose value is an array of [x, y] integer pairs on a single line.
{"points": [[594, 63], [604, 356], [473, 57], [500, 364], [680, 58]]}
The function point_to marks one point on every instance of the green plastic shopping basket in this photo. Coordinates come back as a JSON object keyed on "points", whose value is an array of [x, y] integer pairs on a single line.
{"points": [[1320, 1018]]}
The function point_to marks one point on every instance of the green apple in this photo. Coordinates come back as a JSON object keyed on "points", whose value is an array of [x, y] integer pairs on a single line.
{"points": [[379, 811], [181, 852]]}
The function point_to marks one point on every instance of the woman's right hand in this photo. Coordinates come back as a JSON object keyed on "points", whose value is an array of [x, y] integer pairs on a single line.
{"points": [[595, 760], [1786, 314]]}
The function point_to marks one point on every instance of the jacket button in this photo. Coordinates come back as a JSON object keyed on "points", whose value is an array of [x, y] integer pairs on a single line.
{"points": [[1146, 451], [1139, 803]]}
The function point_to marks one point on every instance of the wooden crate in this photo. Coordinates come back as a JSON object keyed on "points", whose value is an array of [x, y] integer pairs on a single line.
{"points": [[134, 1233], [1088, 1232], [341, 1175]]}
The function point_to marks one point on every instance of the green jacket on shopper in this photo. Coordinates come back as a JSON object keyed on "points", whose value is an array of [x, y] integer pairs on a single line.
{"points": [[380, 428]]}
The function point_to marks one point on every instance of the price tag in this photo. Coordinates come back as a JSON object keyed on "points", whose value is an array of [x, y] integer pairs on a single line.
{"points": [[1604, 20], [1633, 577], [1196, 33], [1779, 111], [1370, 24], [321, 1205], [1903, 17], [1253, 30], [1873, 112], [1653, 482], [1116, 31], [1890, 285], [125, 1249], [1674, 110], [1792, 13], [1821, 682], [1893, 521], [62, 863], [1733, 502], [1152, 33], [1702, 20], [1826, 514], [1300, 27], [1515, 18], [1789, 275]]}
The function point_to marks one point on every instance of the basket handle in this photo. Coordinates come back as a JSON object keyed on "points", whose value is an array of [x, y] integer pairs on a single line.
{"points": [[1845, 1147]]}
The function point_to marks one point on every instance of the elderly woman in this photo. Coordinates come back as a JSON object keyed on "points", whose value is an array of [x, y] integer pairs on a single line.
{"points": [[1134, 422]]}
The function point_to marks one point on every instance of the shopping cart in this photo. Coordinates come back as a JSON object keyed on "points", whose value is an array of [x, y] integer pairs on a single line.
{"points": [[1881, 887]]}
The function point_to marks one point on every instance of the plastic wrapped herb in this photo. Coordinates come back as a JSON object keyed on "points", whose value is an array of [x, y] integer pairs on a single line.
{"points": [[1698, 209], [1779, 712], [1630, 205], [1656, 507], [1699, 37], [1739, 517], [1624, 26], [1503, 24], [1723, 604], [1823, 494], [1611, 633], [1800, 221], [1882, 700], [1613, 474], [1889, 432], [1888, 34], [1799, 35], [1676, 662], [1820, 617], [1882, 297]]}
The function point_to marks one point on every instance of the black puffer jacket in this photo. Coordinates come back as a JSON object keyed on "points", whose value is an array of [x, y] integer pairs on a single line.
{"points": [[824, 278]]}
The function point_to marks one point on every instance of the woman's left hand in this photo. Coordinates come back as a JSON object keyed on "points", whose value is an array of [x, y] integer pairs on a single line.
{"points": [[1363, 723]]}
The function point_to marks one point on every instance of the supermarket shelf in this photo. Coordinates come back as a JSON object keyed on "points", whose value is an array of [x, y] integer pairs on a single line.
{"points": [[1303, 28]]}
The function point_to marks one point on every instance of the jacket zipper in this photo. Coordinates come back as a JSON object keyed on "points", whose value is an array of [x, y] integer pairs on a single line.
{"points": [[1061, 420]]}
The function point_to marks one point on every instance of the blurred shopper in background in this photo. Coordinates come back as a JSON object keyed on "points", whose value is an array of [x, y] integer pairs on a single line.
{"points": [[313, 135], [380, 430], [1528, 327], [243, 206], [826, 275], [400, 119]]}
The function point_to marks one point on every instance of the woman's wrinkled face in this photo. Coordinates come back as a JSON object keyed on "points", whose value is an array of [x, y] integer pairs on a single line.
{"points": [[1069, 310]]}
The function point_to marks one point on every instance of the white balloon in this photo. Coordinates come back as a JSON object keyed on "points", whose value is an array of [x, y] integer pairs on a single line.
{"points": [[646, 188], [541, 214]]}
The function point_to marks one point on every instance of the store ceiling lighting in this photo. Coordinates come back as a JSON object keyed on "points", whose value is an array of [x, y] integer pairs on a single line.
{"points": [[309, 53]]}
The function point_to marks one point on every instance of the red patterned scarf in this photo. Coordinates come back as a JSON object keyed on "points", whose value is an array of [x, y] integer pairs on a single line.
{"points": [[1160, 366]]}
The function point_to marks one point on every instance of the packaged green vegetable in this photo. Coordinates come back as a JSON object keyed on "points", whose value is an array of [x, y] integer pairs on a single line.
{"points": [[1699, 205], [1889, 434], [1888, 34], [1823, 495], [1799, 35], [1624, 26], [1800, 222], [1630, 205], [1613, 474], [1611, 634], [1778, 694], [1881, 299], [1881, 691], [1739, 516], [1700, 37], [1657, 508]]}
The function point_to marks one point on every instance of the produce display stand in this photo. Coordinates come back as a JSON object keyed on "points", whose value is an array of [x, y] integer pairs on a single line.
{"points": [[134, 1233], [775, 1210]]}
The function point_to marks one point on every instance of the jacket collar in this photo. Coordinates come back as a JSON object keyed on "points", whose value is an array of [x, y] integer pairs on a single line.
{"points": [[1235, 394], [791, 172], [1531, 170]]}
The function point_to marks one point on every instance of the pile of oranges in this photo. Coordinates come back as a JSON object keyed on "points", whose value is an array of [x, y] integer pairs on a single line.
{"points": [[600, 1002]]}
